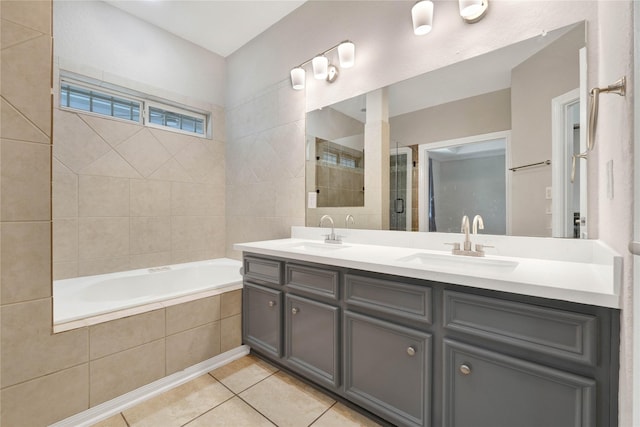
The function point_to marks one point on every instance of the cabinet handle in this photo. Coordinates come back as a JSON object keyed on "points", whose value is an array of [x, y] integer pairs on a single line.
{"points": [[411, 351], [294, 310], [272, 303], [465, 369]]}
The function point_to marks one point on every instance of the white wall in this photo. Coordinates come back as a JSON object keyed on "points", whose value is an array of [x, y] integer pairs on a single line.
{"points": [[92, 35]]}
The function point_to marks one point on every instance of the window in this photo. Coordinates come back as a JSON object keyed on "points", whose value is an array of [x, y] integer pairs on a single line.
{"points": [[137, 108], [80, 98], [185, 121]]}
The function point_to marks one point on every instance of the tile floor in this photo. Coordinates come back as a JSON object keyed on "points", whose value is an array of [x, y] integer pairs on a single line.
{"points": [[246, 392]]}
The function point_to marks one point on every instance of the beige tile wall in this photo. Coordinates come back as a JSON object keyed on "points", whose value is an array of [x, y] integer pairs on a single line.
{"points": [[46, 377], [126, 196], [265, 166]]}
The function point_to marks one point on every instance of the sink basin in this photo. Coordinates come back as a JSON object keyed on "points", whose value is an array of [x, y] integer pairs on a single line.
{"points": [[459, 261], [318, 246]]}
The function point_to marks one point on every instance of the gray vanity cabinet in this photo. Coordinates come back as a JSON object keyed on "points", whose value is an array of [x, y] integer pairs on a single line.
{"points": [[419, 353], [311, 337], [388, 348], [387, 369], [488, 389], [262, 321], [262, 300]]}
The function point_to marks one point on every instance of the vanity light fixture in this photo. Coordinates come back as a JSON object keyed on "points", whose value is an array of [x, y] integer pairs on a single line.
{"points": [[422, 17], [472, 11], [322, 68]]}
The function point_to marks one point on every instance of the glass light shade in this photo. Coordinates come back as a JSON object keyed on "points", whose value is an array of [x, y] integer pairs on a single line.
{"points": [[472, 10], [422, 16], [347, 54], [320, 67], [297, 78]]}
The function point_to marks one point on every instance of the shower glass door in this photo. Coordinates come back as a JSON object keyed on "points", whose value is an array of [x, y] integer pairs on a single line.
{"points": [[400, 189]]}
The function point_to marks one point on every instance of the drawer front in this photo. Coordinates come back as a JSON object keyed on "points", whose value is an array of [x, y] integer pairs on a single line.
{"points": [[263, 269], [488, 389], [388, 369], [559, 333], [316, 281], [393, 298], [262, 318]]}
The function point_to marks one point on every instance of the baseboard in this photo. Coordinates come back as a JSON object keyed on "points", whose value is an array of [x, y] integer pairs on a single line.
{"points": [[114, 406]]}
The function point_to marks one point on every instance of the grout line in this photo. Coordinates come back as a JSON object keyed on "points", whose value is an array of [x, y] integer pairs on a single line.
{"points": [[335, 402]]}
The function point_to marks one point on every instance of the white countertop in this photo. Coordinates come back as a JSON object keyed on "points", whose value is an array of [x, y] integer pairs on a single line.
{"points": [[581, 271]]}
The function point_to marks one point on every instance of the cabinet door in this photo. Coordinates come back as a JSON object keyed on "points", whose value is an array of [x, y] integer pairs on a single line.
{"points": [[312, 339], [262, 318], [483, 388], [388, 369]]}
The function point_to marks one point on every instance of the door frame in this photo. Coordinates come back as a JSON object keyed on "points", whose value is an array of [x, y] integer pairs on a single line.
{"points": [[423, 177]]}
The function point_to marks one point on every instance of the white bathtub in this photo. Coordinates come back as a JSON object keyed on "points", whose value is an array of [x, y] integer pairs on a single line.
{"points": [[91, 296]]}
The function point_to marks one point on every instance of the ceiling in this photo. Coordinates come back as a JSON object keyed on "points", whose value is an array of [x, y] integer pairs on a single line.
{"points": [[221, 26]]}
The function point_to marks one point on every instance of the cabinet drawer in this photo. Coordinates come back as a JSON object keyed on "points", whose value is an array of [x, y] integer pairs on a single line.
{"points": [[316, 281], [488, 389], [550, 331], [388, 369], [267, 270], [393, 298]]}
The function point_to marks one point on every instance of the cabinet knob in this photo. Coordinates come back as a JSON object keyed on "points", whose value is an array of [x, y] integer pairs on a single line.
{"points": [[465, 369], [294, 310], [272, 303], [411, 351]]}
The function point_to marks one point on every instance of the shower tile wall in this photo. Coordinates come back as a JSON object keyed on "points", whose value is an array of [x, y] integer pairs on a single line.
{"points": [[127, 196], [265, 166], [45, 377]]}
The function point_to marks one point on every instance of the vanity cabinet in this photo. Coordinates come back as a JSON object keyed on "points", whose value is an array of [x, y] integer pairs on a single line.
{"points": [[488, 389], [422, 353], [262, 305], [312, 331], [387, 369]]}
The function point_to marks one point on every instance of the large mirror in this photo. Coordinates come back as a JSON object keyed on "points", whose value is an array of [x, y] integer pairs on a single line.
{"points": [[494, 135]]}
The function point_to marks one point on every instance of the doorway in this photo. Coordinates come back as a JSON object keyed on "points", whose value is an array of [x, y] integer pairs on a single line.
{"points": [[466, 176]]}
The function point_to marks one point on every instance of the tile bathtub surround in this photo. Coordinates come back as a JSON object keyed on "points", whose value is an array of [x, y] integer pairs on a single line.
{"points": [[126, 196], [246, 392]]}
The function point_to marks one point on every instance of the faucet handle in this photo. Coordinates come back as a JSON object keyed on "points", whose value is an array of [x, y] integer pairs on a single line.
{"points": [[480, 248], [456, 246]]}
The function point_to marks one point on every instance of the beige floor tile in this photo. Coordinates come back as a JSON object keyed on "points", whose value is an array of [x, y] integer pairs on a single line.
{"points": [[232, 413], [286, 401], [115, 421], [341, 416], [243, 373], [180, 405]]}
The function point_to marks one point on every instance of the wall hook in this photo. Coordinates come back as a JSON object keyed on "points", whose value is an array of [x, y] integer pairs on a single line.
{"points": [[619, 88]]}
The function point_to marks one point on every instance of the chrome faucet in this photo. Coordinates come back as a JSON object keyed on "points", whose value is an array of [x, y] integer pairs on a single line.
{"points": [[478, 224], [464, 228], [348, 219], [332, 237]]}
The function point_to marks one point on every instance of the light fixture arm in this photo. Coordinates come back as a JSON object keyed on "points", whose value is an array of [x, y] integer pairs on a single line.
{"points": [[322, 69], [308, 61]]}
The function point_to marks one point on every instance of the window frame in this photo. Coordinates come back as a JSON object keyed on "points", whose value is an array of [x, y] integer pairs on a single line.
{"points": [[181, 111], [144, 101], [104, 91]]}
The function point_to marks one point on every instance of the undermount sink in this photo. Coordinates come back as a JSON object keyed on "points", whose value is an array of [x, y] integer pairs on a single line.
{"points": [[459, 261], [318, 246]]}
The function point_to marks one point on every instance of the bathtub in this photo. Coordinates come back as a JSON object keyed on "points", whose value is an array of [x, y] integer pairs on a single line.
{"points": [[135, 291]]}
